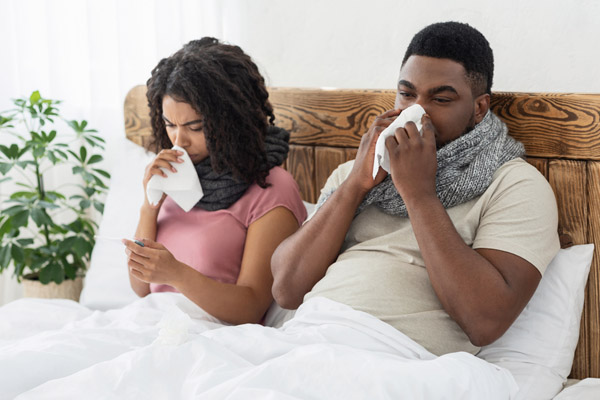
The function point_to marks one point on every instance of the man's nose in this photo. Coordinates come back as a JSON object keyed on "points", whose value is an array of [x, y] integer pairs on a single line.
{"points": [[422, 103]]}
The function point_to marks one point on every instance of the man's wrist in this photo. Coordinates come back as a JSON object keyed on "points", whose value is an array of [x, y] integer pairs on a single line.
{"points": [[351, 190]]}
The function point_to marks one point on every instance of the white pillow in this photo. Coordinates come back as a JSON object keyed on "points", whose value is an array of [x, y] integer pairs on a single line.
{"points": [[107, 281], [538, 348], [587, 389]]}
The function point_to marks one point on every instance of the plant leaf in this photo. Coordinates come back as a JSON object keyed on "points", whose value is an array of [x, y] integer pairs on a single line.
{"points": [[40, 217], [95, 158], [20, 219], [66, 244], [102, 172], [84, 204], [35, 97], [5, 167], [81, 247], [83, 153], [4, 256], [17, 254], [99, 206], [52, 273]]}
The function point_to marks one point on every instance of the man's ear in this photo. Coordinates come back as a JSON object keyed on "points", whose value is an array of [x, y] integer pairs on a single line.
{"points": [[482, 105]]}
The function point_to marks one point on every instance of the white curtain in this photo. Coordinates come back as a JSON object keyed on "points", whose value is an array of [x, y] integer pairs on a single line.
{"points": [[89, 53]]}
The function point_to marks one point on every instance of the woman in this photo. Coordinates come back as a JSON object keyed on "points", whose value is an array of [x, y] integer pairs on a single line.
{"points": [[209, 99]]}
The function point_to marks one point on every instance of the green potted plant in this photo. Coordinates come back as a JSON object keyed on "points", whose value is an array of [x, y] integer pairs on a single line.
{"points": [[47, 233]]}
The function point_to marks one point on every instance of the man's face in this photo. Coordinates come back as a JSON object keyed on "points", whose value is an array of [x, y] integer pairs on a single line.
{"points": [[440, 86]]}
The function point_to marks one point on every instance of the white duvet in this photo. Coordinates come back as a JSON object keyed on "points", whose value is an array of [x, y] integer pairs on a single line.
{"points": [[165, 347]]}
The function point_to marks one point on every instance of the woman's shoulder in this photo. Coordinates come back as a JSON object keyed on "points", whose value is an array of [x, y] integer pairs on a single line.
{"points": [[279, 176], [279, 183], [282, 190]]}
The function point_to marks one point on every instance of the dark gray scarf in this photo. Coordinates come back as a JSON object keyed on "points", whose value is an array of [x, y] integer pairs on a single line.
{"points": [[465, 168], [221, 190]]}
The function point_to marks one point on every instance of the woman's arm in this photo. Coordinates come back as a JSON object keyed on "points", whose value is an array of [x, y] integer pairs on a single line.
{"points": [[149, 213], [248, 299], [146, 229]]}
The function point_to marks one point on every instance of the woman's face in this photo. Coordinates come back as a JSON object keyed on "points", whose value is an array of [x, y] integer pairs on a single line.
{"points": [[185, 128]]}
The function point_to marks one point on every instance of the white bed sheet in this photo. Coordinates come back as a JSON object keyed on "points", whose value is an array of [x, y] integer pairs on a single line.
{"points": [[107, 286], [163, 347], [586, 389]]}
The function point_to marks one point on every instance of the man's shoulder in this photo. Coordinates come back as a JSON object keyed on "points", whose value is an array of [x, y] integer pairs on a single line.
{"points": [[339, 175], [518, 170]]}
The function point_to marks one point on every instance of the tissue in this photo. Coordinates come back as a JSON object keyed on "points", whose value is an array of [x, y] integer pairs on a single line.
{"points": [[182, 186], [382, 158]]}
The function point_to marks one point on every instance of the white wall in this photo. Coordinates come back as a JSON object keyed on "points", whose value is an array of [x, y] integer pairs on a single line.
{"points": [[89, 53], [546, 46]]}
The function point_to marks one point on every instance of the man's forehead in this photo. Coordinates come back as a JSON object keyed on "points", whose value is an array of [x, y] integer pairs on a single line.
{"points": [[421, 72]]}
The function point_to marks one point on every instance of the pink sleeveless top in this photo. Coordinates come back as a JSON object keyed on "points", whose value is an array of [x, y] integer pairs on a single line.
{"points": [[212, 242]]}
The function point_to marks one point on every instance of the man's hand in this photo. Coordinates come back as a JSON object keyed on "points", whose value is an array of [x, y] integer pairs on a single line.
{"points": [[413, 161], [362, 171]]}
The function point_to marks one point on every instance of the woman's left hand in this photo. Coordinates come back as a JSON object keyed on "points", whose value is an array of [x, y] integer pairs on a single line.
{"points": [[152, 263]]}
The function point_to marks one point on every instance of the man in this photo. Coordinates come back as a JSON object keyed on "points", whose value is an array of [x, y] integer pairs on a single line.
{"points": [[450, 246]]}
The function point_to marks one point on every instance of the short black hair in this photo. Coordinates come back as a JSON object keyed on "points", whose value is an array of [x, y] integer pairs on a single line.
{"points": [[458, 42], [224, 85]]}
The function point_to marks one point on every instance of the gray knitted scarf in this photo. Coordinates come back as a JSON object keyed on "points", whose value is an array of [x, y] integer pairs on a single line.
{"points": [[221, 190], [465, 168]]}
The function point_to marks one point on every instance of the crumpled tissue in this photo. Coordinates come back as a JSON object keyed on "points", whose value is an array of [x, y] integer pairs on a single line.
{"points": [[182, 186], [174, 328], [382, 157]]}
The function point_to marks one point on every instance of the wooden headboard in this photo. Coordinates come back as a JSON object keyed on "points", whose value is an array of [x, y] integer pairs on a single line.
{"points": [[561, 133]]}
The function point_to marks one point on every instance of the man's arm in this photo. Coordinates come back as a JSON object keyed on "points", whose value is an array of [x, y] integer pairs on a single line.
{"points": [[302, 259], [483, 290]]}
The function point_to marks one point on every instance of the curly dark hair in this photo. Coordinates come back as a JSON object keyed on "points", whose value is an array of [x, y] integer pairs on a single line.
{"points": [[461, 43], [222, 84]]}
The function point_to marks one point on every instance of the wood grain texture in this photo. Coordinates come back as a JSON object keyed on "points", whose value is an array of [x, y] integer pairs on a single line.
{"points": [[552, 125], [327, 159], [593, 290], [301, 164], [568, 179], [541, 164], [322, 117], [137, 116]]}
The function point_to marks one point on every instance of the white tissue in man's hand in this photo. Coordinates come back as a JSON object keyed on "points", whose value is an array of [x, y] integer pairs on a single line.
{"points": [[382, 158], [182, 186]]}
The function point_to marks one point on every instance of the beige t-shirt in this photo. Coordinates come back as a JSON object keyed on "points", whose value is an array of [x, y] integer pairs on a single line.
{"points": [[380, 269]]}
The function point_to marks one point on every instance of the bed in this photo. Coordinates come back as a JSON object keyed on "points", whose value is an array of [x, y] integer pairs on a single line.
{"points": [[113, 345]]}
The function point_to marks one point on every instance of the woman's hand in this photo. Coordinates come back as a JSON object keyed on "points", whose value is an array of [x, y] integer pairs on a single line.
{"points": [[362, 171], [152, 263], [162, 160]]}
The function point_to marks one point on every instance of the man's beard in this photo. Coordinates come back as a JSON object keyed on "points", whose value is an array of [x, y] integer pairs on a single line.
{"points": [[470, 126]]}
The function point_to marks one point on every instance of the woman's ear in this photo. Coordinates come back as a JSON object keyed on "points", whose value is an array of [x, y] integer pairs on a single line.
{"points": [[482, 105]]}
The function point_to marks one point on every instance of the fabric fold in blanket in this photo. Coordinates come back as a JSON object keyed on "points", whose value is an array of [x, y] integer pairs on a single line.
{"points": [[382, 158], [327, 351], [182, 186]]}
